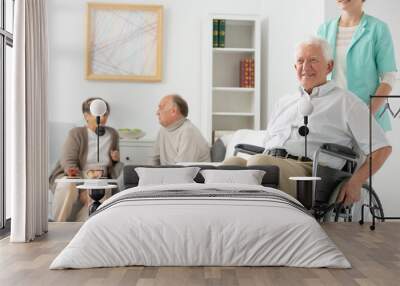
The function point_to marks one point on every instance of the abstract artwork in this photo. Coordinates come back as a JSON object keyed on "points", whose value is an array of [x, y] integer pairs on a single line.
{"points": [[124, 42]]}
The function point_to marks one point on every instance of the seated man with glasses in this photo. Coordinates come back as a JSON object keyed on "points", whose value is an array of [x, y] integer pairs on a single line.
{"points": [[338, 117]]}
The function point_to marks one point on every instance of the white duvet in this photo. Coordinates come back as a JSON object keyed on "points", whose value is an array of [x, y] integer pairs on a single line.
{"points": [[200, 231]]}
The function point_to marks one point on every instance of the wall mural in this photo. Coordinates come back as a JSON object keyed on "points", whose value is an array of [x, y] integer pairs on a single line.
{"points": [[124, 42]]}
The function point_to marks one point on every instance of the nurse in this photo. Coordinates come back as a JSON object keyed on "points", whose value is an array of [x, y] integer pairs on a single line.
{"points": [[364, 55]]}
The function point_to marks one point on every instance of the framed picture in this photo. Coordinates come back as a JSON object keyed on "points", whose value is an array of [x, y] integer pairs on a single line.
{"points": [[124, 42]]}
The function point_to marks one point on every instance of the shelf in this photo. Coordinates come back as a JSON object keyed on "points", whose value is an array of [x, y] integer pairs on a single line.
{"points": [[242, 23], [229, 106], [234, 89], [232, 122], [233, 50], [227, 102], [226, 69], [233, 113]]}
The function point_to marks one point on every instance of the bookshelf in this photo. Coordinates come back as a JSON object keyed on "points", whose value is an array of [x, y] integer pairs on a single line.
{"points": [[228, 106]]}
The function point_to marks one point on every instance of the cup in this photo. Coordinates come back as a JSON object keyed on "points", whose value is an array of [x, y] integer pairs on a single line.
{"points": [[95, 172]]}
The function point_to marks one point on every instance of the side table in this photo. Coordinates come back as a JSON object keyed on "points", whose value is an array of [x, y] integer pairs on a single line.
{"points": [[305, 193], [96, 188], [96, 192]]}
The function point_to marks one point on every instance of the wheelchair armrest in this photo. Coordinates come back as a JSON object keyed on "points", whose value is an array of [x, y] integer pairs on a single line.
{"points": [[340, 150], [248, 149]]}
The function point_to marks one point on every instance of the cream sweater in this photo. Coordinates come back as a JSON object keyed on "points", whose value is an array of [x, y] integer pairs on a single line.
{"points": [[180, 142]]}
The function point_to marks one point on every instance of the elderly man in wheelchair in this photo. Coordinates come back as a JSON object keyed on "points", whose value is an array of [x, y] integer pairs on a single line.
{"points": [[338, 124]]}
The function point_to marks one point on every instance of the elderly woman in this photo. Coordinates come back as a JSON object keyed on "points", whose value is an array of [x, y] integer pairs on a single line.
{"points": [[79, 155], [363, 54]]}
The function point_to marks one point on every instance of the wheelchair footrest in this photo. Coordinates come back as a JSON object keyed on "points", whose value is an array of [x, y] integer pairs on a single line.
{"points": [[321, 209]]}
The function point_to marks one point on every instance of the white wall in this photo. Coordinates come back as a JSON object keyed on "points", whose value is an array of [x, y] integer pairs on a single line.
{"points": [[385, 181], [133, 104], [286, 23]]}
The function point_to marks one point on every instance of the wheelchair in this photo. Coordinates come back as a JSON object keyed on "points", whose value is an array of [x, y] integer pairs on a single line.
{"points": [[324, 208]]}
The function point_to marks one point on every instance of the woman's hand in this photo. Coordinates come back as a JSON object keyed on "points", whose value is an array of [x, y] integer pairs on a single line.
{"points": [[73, 172], [114, 155]]}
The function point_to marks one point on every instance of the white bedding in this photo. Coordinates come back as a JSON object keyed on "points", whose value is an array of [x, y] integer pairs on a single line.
{"points": [[200, 231]]}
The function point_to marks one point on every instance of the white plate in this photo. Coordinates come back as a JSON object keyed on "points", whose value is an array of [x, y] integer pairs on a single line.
{"points": [[131, 134], [96, 187]]}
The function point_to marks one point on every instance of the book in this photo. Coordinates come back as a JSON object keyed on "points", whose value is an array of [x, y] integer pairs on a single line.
{"points": [[221, 33], [242, 73], [215, 33], [246, 73], [252, 72]]}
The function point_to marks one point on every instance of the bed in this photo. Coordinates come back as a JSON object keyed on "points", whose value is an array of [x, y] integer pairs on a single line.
{"points": [[201, 224]]}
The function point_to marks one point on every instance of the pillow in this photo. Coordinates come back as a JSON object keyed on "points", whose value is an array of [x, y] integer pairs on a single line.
{"points": [[218, 151], [248, 177], [245, 136], [166, 176]]}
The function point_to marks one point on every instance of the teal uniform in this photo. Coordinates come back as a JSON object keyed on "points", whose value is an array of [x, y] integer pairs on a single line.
{"points": [[369, 55]]}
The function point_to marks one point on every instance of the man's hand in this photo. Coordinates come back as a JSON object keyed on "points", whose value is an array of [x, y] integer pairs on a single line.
{"points": [[114, 155], [350, 192]]}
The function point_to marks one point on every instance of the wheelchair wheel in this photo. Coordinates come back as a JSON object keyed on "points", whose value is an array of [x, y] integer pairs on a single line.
{"points": [[353, 213], [376, 204]]}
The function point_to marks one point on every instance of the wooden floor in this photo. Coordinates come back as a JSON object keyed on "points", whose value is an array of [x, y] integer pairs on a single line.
{"points": [[375, 256]]}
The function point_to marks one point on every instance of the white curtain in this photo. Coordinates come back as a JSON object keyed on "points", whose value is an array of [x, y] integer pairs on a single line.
{"points": [[27, 122]]}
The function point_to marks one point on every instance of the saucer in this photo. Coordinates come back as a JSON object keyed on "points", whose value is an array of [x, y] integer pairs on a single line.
{"points": [[96, 182]]}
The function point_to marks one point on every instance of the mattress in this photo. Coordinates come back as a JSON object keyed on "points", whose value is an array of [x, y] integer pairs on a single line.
{"points": [[201, 225]]}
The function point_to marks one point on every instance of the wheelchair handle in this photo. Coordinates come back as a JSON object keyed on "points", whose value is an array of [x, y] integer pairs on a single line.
{"points": [[248, 149]]}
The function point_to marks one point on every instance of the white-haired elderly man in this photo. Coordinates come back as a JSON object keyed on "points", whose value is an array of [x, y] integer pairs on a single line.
{"points": [[338, 117]]}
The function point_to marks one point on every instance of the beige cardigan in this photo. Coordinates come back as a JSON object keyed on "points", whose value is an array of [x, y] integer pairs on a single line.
{"points": [[74, 153]]}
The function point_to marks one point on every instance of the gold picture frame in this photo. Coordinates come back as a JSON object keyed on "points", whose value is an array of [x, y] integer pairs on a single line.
{"points": [[124, 42]]}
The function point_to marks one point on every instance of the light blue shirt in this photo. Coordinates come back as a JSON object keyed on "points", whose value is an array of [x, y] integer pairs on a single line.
{"points": [[369, 55]]}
